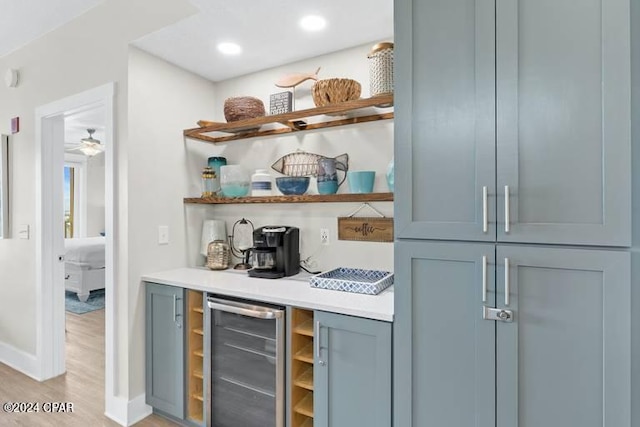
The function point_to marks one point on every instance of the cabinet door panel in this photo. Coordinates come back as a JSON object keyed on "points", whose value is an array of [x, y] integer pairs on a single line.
{"points": [[565, 360], [352, 385], [444, 352], [563, 114], [165, 349], [445, 119]]}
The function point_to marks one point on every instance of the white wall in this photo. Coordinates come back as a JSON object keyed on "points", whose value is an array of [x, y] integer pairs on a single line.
{"points": [[95, 195], [163, 100], [369, 145], [88, 52]]}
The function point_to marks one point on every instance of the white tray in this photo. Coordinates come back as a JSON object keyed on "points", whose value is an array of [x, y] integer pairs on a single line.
{"points": [[356, 280]]}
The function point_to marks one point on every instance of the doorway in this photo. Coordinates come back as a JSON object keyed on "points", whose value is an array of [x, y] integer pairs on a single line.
{"points": [[49, 231]]}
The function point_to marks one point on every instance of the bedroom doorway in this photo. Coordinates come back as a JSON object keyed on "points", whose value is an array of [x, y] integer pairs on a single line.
{"points": [[52, 127]]}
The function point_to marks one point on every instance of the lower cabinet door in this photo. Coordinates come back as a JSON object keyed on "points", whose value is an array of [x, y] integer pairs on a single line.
{"points": [[352, 371], [165, 348], [444, 352], [564, 360]]}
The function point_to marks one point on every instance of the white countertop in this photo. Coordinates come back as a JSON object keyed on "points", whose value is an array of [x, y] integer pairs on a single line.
{"points": [[294, 291]]}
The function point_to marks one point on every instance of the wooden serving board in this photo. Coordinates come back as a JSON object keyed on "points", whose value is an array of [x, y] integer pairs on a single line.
{"points": [[365, 229]]}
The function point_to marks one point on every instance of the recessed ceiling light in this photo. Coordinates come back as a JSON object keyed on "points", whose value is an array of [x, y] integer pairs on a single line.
{"points": [[229, 48], [313, 23]]}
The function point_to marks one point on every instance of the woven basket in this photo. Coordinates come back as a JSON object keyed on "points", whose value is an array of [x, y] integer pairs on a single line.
{"points": [[333, 91], [242, 107]]}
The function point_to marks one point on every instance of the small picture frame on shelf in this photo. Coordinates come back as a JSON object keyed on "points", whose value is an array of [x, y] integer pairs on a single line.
{"points": [[280, 103]]}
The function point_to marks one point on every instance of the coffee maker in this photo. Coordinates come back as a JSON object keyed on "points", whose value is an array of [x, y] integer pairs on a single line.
{"points": [[276, 252]]}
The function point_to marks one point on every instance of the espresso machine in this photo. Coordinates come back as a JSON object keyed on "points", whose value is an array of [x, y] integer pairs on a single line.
{"points": [[276, 252]]}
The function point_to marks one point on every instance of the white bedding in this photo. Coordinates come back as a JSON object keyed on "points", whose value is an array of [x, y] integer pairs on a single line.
{"points": [[86, 251]]}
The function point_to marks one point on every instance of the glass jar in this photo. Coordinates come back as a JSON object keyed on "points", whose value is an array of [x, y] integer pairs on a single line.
{"points": [[215, 163], [218, 255], [234, 181], [208, 182]]}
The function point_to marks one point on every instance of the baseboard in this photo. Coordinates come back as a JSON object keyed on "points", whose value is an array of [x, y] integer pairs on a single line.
{"points": [[125, 412], [138, 409], [20, 361]]}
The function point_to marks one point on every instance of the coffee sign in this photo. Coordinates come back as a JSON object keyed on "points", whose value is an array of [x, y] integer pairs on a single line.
{"points": [[365, 229], [280, 103]]}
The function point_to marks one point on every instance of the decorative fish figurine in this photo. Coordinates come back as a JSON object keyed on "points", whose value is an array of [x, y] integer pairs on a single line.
{"points": [[291, 80], [301, 163]]}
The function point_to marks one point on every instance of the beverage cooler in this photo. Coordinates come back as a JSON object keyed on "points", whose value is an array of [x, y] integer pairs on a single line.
{"points": [[247, 353]]}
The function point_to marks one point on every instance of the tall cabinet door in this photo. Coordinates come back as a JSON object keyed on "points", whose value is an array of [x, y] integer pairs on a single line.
{"points": [[445, 119], [352, 371], [563, 121], [165, 348], [565, 358], [444, 352]]}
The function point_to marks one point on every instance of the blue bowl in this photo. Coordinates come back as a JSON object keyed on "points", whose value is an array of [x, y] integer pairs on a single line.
{"points": [[292, 185]]}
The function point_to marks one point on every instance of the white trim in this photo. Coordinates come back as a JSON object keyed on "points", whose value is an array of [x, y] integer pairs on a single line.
{"points": [[50, 313], [128, 413], [19, 360]]}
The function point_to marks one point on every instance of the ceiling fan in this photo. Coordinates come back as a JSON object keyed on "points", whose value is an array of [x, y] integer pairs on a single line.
{"points": [[89, 146]]}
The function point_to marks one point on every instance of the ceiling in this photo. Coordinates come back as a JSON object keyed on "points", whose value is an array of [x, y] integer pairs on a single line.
{"points": [[22, 22], [268, 32]]}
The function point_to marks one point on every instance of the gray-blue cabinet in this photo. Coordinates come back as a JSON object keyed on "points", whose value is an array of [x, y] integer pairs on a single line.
{"points": [[511, 336], [565, 358], [512, 121], [165, 381], [444, 352], [351, 371]]}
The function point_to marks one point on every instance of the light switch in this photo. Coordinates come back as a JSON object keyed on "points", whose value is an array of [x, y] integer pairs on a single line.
{"points": [[163, 235]]}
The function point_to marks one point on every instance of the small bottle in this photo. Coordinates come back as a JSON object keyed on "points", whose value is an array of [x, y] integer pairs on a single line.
{"points": [[208, 182], [261, 183]]}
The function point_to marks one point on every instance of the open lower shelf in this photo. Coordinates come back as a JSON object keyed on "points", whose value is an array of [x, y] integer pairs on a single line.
{"points": [[305, 406], [308, 198], [304, 328], [305, 380], [295, 121], [305, 354]]}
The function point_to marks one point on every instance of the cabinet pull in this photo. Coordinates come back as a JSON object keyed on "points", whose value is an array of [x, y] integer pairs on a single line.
{"points": [[316, 338], [485, 210], [484, 278], [175, 308], [507, 285], [507, 219]]}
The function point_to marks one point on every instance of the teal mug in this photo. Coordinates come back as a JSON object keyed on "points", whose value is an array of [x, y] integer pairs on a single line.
{"points": [[361, 181]]}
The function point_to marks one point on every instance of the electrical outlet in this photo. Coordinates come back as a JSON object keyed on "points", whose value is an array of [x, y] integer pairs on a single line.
{"points": [[324, 236], [163, 235]]}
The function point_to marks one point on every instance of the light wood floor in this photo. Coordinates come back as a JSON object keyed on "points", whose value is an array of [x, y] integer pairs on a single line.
{"points": [[82, 385]]}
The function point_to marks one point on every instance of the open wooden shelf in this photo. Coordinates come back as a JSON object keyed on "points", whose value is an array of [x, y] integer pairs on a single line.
{"points": [[301, 381], [305, 354], [195, 361], [305, 406], [305, 328], [308, 198], [305, 380], [295, 121]]}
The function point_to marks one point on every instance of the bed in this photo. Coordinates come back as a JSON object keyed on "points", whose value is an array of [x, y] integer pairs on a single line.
{"points": [[84, 265]]}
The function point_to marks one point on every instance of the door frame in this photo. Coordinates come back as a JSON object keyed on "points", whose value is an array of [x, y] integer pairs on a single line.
{"points": [[49, 236]]}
